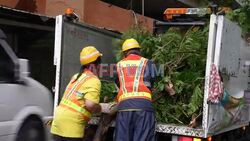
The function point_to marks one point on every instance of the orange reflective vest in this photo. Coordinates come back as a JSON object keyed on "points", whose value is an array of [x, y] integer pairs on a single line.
{"points": [[72, 99], [130, 71]]}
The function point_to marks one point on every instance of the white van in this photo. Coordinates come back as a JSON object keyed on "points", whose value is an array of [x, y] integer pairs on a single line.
{"points": [[25, 104]]}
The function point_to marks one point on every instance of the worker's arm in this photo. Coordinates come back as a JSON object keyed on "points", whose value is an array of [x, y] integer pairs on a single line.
{"points": [[150, 74], [92, 107], [91, 90]]}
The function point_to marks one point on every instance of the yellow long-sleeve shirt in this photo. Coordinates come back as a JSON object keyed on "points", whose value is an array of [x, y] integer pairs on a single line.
{"points": [[67, 123]]}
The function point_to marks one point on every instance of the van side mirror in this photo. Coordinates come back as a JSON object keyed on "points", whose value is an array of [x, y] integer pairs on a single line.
{"points": [[24, 68]]}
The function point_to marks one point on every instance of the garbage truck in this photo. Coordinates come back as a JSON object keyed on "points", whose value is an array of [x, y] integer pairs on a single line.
{"points": [[227, 51]]}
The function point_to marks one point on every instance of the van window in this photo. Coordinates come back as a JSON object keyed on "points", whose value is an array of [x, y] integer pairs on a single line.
{"points": [[6, 67]]}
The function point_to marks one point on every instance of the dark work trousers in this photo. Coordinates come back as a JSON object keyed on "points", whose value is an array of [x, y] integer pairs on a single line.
{"points": [[135, 126], [60, 138]]}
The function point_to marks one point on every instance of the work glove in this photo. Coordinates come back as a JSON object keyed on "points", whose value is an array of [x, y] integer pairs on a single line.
{"points": [[109, 108], [169, 87]]}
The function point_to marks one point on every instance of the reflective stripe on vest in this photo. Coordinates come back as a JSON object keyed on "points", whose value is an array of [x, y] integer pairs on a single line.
{"points": [[73, 106], [138, 74], [72, 89], [124, 90], [135, 95], [140, 67], [70, 100]]}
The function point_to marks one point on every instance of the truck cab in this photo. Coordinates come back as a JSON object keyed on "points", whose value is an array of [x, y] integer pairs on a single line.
{"points": [[25, 104]]}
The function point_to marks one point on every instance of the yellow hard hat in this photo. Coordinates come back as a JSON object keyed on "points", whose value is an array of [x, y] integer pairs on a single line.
{"points": [[130, 44], [89, 54]]}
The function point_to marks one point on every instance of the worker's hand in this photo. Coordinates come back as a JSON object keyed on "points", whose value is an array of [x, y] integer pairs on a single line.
{"points": [[108, 107], [170, 88], [105, 107]]}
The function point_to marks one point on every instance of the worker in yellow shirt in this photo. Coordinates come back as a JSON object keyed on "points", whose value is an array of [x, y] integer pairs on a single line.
{"points": [[80, 99]]}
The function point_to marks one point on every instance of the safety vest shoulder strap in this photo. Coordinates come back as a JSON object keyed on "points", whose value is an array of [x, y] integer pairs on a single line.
{"points": [[121, 77], [76, 85], [73, 85], [138, 74]]}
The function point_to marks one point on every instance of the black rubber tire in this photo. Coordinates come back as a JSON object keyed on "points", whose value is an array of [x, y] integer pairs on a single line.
{"points": [[31, 130]]}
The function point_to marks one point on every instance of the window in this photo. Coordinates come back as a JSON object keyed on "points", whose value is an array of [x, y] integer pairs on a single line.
{"points": [[6, 67]]}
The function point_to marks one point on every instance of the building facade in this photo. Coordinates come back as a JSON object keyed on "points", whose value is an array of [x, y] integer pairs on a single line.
{"points": [[93, 12]]}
